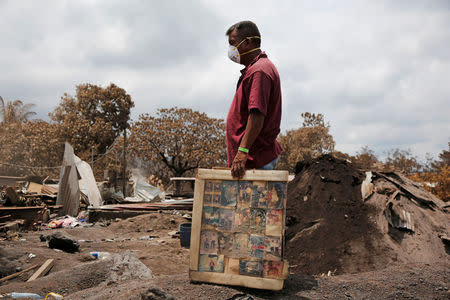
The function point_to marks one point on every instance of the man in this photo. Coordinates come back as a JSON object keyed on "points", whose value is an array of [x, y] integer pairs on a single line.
{"points": [[253, 121]]}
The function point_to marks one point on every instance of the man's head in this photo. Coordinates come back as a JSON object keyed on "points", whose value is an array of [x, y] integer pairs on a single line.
{"points": [[242, 30], [246, 39]]}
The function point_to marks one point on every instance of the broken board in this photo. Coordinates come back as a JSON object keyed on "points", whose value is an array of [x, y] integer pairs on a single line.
{"points": [[44, 269], [238, 226]]}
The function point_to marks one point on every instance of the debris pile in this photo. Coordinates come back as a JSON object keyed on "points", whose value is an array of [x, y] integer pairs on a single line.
{"points": [[341, 220], [28, 194]]}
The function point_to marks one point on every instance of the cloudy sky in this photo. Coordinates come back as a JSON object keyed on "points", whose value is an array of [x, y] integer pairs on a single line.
{"points": [[378, 70]]}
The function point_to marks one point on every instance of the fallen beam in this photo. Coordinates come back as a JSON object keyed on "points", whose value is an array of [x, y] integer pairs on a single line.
{"points": [[21, 208], [7, 217], [42, 270], [18, 273]]}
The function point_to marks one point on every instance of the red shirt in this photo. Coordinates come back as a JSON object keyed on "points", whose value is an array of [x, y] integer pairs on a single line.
{"points": [[258, 88]]}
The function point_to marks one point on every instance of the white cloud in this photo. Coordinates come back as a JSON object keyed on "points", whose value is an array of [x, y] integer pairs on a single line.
{"points": [[377, 70]]}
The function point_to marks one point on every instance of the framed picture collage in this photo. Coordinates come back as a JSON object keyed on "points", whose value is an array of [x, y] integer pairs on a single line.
{"points": [[238, 228]]}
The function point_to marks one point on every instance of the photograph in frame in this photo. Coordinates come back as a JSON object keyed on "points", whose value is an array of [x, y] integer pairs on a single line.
{"points": [[255, 246], [217, 191], [259, 194], [245, 193], [272, 269], [257, 220], [240, 245], [210, 218], [208, 242], [211, 263], [251, 268], [226, 219], [225, 240], [208, 194], [277, 194], [272, 248], [242, 219], [229, 193], [274, 222]]}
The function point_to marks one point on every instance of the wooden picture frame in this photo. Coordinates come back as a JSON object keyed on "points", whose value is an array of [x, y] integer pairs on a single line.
{"points": [[230, 251]]}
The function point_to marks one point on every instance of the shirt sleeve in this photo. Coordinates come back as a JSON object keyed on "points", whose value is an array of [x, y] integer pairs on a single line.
{"points": [[260, 89]]}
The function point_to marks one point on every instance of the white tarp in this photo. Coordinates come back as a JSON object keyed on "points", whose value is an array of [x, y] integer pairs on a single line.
{"points": [[87, 183]]}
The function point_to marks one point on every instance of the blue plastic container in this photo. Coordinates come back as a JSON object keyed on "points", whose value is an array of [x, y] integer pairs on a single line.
{"points": [[185, 234]]}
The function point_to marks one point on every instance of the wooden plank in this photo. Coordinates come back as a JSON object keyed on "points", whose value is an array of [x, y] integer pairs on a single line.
{"points": [[5, 217], [261, 175], [34, 188], [42, 270], [285, 269], [18, 273], [19, 208], [196, 224], [239, 280]]}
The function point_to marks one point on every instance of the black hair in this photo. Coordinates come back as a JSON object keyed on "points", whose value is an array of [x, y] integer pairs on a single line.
{"points": [[246, 29]]}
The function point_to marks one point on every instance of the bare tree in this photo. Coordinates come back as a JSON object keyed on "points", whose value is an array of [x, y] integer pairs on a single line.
{"points": [[15, 111]]}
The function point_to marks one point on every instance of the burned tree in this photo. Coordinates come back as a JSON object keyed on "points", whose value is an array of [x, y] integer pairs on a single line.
{"points": [[180, 138]]}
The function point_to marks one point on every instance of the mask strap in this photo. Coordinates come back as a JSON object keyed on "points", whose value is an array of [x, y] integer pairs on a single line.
{"points": [[249, 37], [250, 51]]}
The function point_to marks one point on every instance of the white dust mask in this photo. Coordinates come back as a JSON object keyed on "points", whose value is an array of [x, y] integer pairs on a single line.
{"points": [[233, 52]]}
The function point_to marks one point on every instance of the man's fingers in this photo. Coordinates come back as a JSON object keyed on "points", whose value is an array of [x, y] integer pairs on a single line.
{"points": [[234, 170], [238, 169], [241, 170]]}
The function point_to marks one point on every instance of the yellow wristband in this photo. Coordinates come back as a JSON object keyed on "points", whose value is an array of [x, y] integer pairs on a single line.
{"points": [[245, 150]]}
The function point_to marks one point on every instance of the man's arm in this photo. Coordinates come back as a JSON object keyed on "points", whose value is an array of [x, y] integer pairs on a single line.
{"points": [[254, 125]]}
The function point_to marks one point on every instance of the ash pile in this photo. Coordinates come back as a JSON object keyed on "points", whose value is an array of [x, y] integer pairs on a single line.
{"points": [[343, 220]]}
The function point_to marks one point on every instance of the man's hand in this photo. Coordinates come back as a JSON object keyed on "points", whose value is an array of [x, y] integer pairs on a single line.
{"points": [[238, 166]]}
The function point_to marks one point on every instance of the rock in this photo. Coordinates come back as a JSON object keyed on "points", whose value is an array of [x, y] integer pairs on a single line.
{"points": [[61, 240], [155, 293]]}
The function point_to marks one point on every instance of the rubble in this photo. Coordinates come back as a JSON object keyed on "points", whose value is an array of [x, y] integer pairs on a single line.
{"points": [[340, 221], [354, 221]]}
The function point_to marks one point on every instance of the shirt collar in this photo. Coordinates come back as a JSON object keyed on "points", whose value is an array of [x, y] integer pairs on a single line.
{"points": [[262, 54]]}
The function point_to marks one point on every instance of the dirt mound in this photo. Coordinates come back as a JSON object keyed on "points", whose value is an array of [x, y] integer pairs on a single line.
{"points": [[342, 220], [89, 278]]}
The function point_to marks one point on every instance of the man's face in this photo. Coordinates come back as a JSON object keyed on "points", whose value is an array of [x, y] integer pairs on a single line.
{"points": [[234, 39]]}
